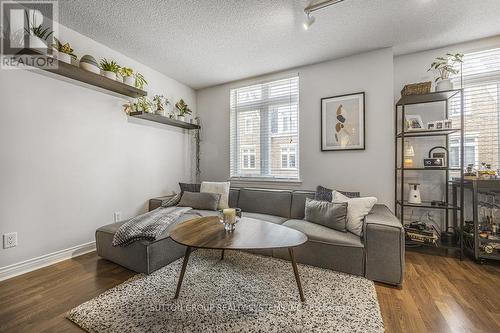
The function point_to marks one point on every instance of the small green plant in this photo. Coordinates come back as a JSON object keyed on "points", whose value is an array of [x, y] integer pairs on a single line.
{"points": [[159, 101], [63, 48], [109, 66], [140, 81], [183, 108], [129, 107], [126, 71], [36, 30], [144, 104], [445, 66]]}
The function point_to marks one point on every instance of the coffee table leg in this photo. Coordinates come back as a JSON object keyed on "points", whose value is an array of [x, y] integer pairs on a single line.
{"points": [[183, 270], [296, 272], [222, 255]]}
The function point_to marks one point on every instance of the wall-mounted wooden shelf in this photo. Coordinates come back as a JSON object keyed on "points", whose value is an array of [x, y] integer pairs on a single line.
{"points": [[92, 79], [164, 120]]}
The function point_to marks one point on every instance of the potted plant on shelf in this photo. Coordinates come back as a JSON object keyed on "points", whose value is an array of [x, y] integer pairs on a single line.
{"points": [[64, 51], [144, 105], [183, 109], [38, 36], [127, 74], [140, 81], [160, 101], [109, 68], [129, 107], [445, 66]]}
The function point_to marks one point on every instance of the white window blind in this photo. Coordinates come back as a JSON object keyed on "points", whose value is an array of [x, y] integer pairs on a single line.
{"points": [[481, 83], [264, 121]]}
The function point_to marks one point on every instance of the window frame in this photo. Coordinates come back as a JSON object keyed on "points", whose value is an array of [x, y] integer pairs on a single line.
{"points": [[262, 104]]}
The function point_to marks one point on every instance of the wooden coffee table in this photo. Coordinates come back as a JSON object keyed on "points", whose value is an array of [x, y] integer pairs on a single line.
{"points": [[250, 234]]}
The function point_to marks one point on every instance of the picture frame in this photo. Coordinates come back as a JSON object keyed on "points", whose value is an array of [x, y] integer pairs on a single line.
{"points": [[414, 122], [439, 124], [431, 125], [448, 124], [343, 122]]}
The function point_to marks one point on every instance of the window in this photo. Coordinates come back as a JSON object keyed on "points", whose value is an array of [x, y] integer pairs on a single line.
{"points": [[470, 149], [481, 83], [288, 157], [247, 157], [264, 130]]}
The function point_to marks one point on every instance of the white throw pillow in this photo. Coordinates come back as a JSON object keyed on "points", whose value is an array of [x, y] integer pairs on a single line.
{"points": [[357, 209], [218, 187]]}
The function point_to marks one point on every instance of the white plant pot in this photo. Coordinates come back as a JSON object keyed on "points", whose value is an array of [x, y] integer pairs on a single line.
{"points": [[37, 43], [64, 57], [109, 75], [444, 85], [90, 67], [181, 118], [130, 80]]}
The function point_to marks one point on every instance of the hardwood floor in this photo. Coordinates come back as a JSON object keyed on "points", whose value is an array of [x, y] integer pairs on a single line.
{"points": [[439, 294]]}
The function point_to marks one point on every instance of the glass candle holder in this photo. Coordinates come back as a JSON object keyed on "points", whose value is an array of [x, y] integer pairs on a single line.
{"points": [[229, 217]]}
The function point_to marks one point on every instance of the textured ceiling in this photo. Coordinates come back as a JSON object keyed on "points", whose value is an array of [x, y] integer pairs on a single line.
{"points": [[207, 42]]}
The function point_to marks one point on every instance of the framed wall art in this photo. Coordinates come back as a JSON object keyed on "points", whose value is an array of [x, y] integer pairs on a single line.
{"points": [[343, 122]]}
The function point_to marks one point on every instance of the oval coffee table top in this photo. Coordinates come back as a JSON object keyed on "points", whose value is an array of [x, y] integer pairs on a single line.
{"points": [[209, 233]]}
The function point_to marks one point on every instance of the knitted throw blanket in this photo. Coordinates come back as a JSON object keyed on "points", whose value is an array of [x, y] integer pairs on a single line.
{"points": [[147, 226]]}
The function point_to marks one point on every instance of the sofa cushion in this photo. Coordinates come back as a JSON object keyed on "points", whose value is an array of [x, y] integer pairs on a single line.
{"points": [[234, 194], [299, 203], [272, 202], [200, 200], [319, 233], [329, 214], [265, 217]]}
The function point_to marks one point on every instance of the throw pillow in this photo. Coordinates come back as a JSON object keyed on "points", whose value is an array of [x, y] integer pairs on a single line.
{"points": [[357, 209], [330, 214], [172, 201], [218, 187], [189, 187], [198, 200], [325, 194]]}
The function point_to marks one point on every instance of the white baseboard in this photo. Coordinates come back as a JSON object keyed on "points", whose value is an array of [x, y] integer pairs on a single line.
{"points": [[29, 265]]}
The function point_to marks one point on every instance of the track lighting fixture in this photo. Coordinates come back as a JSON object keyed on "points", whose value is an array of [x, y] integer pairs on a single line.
{"points": [[313, 6]]}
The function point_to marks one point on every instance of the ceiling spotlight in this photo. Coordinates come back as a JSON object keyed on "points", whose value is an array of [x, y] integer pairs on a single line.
{"points": [[308, 21], [315, 5]]}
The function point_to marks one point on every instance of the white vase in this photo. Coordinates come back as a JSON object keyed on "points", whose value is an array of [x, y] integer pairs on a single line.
{"points": [[181, 118], [109, 75], [444, 85], [130, 80], [64, 57]]}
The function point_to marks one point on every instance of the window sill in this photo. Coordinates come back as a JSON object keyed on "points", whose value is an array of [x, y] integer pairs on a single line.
{"points": [[256, 181]]}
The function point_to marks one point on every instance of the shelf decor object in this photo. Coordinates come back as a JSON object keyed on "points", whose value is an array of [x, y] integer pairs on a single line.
{"points": [[88, 78], [402, 153]]}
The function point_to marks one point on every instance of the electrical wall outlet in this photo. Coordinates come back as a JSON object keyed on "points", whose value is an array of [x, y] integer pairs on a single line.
{"points": [[118, 216], [10, 240]]}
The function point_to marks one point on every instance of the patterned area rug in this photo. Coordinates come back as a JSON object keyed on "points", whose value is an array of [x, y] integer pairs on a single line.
{"points": [[242, 293]]}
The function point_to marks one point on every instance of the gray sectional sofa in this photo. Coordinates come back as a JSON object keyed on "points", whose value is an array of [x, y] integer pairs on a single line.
{"points": [[378, 255]]}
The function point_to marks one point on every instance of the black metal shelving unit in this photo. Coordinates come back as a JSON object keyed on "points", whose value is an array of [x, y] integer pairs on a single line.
{"points": [[401, 133], [477, 244]]}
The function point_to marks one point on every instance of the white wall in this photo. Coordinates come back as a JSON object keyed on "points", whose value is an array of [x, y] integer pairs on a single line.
{"points": [[370, 171], [70, 157]]}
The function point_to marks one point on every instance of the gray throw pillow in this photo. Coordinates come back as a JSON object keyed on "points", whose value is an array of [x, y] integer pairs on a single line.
{"points": [[329, 214], [197, 200], [187, 187], [325, 194]]}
